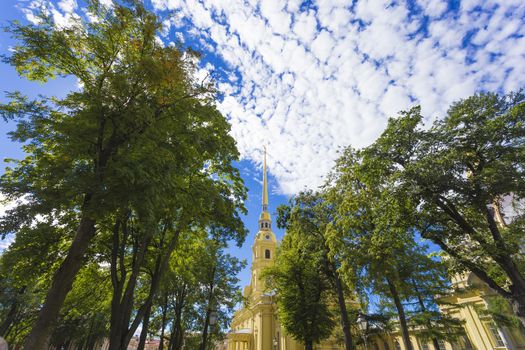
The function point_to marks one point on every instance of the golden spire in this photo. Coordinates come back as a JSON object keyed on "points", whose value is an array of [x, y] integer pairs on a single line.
{"points": [[265, 185], [265, 222]]}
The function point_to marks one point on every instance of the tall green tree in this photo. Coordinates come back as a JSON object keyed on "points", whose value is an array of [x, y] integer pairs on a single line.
{"points": [[427, 284], [310, 214], [371, 231], [302, 291], [131, 136], [219, 292], [460, 173], [26, 268]]}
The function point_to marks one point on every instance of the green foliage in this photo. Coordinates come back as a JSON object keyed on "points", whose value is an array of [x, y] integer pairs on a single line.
{"points": [[311, 214], [85, 314], [373, 235], [139, 142], [460, 174], [500, 311], [301, 289]]}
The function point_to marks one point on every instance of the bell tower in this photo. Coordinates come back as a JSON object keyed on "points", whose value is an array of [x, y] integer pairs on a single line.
{"points": [[264, 247]]}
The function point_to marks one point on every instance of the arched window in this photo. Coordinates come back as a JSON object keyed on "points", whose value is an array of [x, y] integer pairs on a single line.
{"points": [[267, 253]]}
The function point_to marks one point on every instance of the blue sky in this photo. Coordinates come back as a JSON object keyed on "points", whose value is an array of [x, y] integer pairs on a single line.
{"points": [[309, 77]]}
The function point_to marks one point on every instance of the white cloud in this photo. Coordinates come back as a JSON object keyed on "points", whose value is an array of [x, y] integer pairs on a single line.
{"points": [[67, 6], [434, 8], [305, 26], [63, 14], [107, 3], [308, 79]]}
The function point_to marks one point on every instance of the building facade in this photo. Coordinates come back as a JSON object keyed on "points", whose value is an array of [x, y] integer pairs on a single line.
{"points": [[256, 326]]}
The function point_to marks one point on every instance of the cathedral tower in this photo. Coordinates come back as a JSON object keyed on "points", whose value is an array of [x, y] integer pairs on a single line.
{"points": [[263, 249]]}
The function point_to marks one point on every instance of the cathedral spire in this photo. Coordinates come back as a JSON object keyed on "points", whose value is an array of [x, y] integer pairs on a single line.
{"points": [[265, 185], [265, 222]]}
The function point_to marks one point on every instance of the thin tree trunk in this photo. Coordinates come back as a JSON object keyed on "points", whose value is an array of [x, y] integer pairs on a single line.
{"points": [[145, 328], [177, 331], [401, 314], [205, 330], [500, 255], [85, 344], [124, 330], [38, 338], [160, 266], [517, 301], [208, 309], [421, 303], [163, 321], [155, 279], [10, 317], [345, 323], [117, 261], [517, 289], [122, 300], [171, 344]]}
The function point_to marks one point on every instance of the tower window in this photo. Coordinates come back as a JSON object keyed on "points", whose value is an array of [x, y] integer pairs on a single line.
{"points": [[267, 254]]}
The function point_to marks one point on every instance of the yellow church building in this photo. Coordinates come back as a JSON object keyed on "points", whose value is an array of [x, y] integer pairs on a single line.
{"points": [[256, 326]]}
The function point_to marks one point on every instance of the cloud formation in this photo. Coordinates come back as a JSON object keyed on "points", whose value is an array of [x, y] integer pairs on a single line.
{"points": [[305, 78]]}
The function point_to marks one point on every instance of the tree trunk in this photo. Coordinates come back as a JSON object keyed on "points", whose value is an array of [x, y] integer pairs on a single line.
{"points": [[145, 326], [177, 331], [205, 330], [123, 331], [85, 344], [208, 309], [10, 317], [163, 321], [122, 299], [345, 323], [38, 338], [171, 344], [500, 255], [508, 265], [401, 314], [421, 303], [517, 301]]}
